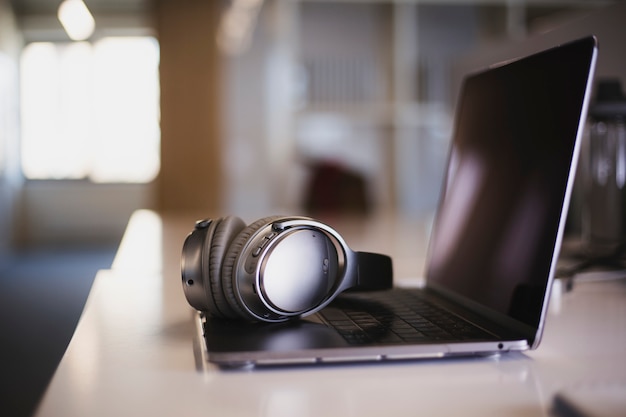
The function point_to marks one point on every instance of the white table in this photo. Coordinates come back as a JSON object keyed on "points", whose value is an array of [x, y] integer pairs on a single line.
{"points": [[133, 351]]}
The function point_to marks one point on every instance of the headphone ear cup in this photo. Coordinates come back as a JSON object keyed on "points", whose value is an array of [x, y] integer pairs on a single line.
{"points": [[223, 234], [231, 258]]}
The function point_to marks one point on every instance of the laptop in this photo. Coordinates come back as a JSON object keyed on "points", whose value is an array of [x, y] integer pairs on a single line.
{"points": [[495, 239]]}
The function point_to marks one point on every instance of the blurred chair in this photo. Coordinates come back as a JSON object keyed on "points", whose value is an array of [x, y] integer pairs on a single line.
{"points": [[334, 189]]}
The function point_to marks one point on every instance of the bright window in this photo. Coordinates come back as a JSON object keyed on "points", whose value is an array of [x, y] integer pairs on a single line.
{"points": [[91, 110]]}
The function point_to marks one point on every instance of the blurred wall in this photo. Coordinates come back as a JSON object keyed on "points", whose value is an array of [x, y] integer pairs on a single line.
{"points": [[239, 130], [259, 101], [369, 86], [191, 152], [10, 44]]}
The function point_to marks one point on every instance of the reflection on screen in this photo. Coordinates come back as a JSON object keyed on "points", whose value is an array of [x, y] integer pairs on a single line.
{"points": [[506, 182]]}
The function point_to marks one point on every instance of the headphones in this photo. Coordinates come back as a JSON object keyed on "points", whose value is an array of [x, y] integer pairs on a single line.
{"points": [[275, 269]]}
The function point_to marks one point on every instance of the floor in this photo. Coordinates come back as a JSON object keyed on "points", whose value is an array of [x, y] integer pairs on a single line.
{"points": [[42, 294]]}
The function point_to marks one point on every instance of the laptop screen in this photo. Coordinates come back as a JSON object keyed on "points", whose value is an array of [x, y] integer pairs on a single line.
{"points": [[510, 163]]}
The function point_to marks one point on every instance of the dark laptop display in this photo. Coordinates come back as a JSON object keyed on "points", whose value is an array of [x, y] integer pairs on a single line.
{"points": [[495, 240], [507, 181]]}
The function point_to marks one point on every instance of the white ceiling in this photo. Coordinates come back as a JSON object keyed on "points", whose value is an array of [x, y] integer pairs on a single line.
{"points": [[38, 18], [47, 7]]}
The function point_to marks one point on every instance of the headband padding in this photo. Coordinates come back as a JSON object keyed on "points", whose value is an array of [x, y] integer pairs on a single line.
{"points": [[224, 233], [230, 260]]}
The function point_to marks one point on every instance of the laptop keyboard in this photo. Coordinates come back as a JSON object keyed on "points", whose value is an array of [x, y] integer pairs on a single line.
{"points": [[396, 316]]}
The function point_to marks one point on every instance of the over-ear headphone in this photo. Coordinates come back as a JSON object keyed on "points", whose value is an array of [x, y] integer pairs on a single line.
{"points": [[275, 269]]}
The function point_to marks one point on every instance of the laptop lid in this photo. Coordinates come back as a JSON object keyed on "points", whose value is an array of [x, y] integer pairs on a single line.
{"points": [[513, 156]]}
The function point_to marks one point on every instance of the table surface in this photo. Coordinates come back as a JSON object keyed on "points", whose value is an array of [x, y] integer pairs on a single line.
{"points": [[133, 350]]}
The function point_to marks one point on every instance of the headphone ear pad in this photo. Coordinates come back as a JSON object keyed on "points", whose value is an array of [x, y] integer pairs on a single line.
{"points": [[226, 230], [230, 259]]}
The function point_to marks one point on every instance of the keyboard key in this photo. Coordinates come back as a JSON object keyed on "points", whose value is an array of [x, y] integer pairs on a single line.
{"points": [[394, 317]]}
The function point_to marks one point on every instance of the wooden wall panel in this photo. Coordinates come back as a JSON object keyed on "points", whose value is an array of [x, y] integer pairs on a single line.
{"points": [[191, 163]]}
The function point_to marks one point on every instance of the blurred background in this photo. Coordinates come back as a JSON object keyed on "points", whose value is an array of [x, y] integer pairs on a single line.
{"points": [[246, 107]]}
